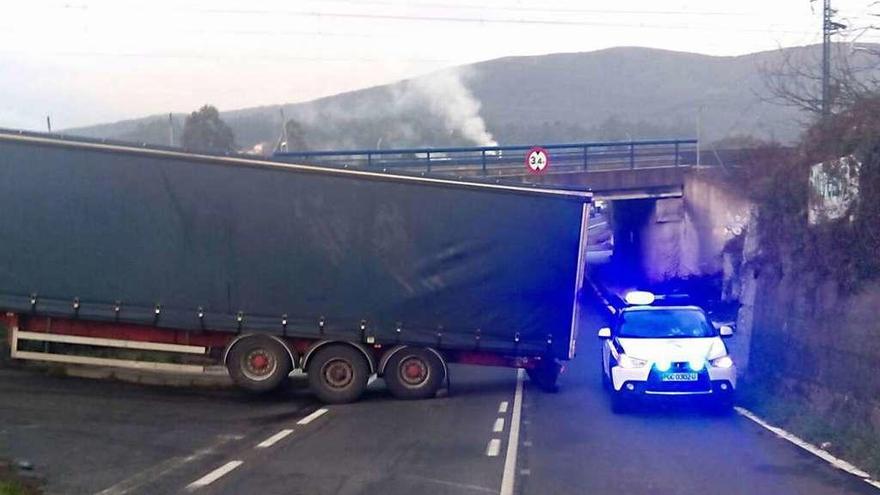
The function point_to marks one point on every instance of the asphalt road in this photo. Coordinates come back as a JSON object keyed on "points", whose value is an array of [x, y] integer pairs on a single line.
{"points": [[94, 437]]}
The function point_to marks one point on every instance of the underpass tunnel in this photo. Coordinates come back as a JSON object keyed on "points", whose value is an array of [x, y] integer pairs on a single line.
{"points": [[656, 244]]}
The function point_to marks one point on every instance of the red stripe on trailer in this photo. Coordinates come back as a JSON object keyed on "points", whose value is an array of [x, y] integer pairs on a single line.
{"points": [[491, 359], [123, 331]]}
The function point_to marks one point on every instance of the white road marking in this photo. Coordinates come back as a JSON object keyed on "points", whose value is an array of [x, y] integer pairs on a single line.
{"points": [[214, 475], [509, 479], [281, 435], [502, 408], [498, 426], [527, 443], [465, 486], [156, 472], [311, 417], [493, 448], [816, 451]]}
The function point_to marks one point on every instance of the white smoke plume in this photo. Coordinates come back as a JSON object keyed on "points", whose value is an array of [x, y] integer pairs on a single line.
{"points": [[448, 98], [431, 110]]}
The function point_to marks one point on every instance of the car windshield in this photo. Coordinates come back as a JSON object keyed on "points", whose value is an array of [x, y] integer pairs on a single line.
{"points": [[665, 323]]}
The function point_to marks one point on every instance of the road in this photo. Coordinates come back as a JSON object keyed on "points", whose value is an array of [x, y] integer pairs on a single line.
{"points": [[95, 437]]}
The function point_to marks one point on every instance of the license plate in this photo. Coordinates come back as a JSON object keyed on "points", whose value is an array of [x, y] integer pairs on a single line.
{"points": [[680, 377]]}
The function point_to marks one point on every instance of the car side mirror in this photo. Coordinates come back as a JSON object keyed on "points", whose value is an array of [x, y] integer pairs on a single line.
{"points": [[725, 331], [604, 333]]}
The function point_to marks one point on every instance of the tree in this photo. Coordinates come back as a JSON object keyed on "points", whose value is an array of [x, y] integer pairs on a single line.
{"points": [[294, 137], [853, 69], [204, 130]]}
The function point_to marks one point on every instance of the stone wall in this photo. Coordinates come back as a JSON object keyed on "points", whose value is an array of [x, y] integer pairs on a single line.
{"points": [[806, 342]]}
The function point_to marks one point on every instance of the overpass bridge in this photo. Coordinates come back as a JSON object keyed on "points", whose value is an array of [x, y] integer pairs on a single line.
{"points": [[612, 170]]}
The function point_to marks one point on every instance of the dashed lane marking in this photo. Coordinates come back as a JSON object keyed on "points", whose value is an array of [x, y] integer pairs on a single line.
{"points": [[816, 451], [311, 417], [508, 481], [281, 435], [214, 475], [146, 477], [502, 408], [493, 448], [498, 426]]}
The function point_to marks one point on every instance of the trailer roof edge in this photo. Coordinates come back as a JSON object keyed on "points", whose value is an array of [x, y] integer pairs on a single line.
{"points": [[59, 141]]}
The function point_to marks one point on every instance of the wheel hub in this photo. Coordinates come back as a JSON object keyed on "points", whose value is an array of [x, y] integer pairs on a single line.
{"points": [[259, 364], [413, 371], [338, 373]]}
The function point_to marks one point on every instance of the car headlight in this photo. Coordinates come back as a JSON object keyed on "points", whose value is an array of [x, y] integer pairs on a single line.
{"points": [[630, 362], [722, 362]]}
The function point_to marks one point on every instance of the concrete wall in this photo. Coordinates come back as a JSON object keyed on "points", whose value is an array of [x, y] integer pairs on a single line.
{"points": [[685, 237]]}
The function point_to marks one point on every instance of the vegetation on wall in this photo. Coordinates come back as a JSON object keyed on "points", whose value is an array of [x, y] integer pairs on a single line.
{"points": [[843, 249]]}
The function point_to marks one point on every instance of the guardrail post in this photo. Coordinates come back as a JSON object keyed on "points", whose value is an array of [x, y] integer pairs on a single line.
{"points": [[483, 158], [586, 156], [428, 160], [369, 160], [632, 155], [676, 153]]}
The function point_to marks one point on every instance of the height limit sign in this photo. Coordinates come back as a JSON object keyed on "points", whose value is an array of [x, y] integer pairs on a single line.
{"points": [[537, 160]]}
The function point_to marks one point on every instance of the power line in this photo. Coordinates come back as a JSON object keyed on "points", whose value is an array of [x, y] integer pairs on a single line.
{"points": [[494, 20], [548, 9]]}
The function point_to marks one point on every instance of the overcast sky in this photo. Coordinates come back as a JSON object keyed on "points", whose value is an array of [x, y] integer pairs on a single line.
{"points": [[92, 61]]}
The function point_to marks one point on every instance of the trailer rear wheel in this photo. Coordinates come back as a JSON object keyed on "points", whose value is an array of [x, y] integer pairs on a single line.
{"points": [[338, 374], [414, 373], [545, 375], [258, 363]]}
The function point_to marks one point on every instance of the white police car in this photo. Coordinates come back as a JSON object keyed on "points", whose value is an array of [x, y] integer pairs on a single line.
{"points": [[665, 351]]}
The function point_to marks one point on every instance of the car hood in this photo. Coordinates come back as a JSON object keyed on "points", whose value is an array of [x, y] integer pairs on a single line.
{"points": [[673, 350]]}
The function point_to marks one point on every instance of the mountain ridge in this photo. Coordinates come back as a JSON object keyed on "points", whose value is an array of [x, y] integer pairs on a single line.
{"points": [[613, 93]]}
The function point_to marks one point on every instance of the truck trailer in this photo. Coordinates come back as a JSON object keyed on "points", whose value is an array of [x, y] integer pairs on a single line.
{"points": [[125, 255]]}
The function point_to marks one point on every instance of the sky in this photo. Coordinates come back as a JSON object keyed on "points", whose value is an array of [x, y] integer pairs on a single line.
{"points": [[93, 61]]}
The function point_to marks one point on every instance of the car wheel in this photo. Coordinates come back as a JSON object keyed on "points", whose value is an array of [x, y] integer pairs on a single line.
{"points": [[620, 404], [721, 406], [606, 381]]}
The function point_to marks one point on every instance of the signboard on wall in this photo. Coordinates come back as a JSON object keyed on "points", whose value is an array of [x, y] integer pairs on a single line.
{"points": [[834, 188]]}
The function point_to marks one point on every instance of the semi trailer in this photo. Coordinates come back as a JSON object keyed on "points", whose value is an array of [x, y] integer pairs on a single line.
{"points": [[126, 255]]}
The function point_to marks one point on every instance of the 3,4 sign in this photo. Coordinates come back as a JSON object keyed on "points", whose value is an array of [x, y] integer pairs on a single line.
{"points": [[537, 160]]}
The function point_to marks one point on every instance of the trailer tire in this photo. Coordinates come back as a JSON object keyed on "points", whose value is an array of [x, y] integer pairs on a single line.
{"points": [[414, 373], [258, 363], [546, 375], [338, 374]]}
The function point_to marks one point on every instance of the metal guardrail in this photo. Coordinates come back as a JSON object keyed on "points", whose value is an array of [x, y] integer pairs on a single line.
{"points": [[508, 160]]}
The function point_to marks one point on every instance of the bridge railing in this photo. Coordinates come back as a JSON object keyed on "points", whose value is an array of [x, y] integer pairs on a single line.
{"points": [[508, 160]]}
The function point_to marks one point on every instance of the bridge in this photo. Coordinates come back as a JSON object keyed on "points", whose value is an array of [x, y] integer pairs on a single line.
{"points": [[612, 170]]}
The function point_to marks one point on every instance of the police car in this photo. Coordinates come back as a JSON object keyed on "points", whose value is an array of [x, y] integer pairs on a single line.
{"points": [[654, 350]]}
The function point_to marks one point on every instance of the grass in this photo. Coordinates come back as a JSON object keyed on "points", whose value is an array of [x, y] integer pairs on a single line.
{"points": [[13, 484], [848, 438]]}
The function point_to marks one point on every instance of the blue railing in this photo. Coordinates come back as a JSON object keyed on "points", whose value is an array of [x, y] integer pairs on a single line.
{"points": [[509, 160]]}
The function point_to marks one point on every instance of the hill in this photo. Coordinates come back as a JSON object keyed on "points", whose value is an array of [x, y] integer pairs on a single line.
{"points": [[615, 93]]}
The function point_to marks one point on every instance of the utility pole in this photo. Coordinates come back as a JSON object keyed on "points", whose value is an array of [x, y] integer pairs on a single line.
{"points": [[699, 131], [49, 123], [826, 58], [170, 130], [829, 27]]}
